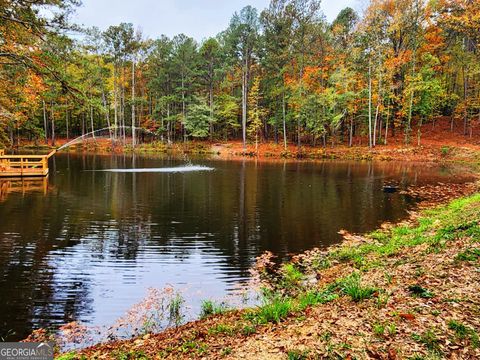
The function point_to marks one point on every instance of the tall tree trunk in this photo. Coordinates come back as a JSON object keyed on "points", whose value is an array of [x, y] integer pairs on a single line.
{"points": [[183, 109], [66, 122], [244, 106], [419, 131], [115, 101], [378, 108], [465, 85], [370, 143], [83, 125], [410, 109], [284, 118], [91, 121], [211, 110], [53, 124], [107, 114], [169, 125], [122, 101], [133, 103], [350, 138], [45, 126], [386, 121]]}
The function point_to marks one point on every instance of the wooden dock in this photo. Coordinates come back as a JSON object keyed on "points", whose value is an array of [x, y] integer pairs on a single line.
{"points": [[24, 165]]}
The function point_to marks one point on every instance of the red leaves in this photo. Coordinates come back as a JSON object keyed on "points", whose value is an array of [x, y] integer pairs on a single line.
{"points": [[405, 316]]}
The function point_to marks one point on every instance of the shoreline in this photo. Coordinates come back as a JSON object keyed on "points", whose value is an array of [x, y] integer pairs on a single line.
{"points": [[207, 338], [468, 154]]}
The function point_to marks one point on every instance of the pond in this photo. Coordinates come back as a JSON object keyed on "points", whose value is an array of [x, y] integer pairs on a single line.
{"points": [[85, 245]]}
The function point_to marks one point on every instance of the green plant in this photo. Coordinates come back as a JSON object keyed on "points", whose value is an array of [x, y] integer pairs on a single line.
{"points": [[462, 332], [221, 329], [378, 329], [391, 329], [297, 355], [210, 307], [131, 355], [274, 311], [326, 336], [291, 275], [419, 291], [248, 330], [352, 286], [468, 255], [320, 263], [226, 351], [388, 278], [175, 309], [190, 346], [419, 271], [314, 297], [429, 339], [68, 356], [444, 151], [382, 300]]}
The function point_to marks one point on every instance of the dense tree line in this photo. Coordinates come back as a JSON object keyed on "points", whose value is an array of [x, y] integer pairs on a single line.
{"points": [[284, 74]]}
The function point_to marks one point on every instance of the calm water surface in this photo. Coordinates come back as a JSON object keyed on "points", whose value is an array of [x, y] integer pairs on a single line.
{"points": [[86, 245]]}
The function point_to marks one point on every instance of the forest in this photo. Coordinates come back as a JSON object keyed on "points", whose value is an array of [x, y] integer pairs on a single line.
{"points": [[283, 74]]}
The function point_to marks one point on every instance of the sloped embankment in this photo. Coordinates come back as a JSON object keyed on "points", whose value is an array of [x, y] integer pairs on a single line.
{"points": [[410, 291]]}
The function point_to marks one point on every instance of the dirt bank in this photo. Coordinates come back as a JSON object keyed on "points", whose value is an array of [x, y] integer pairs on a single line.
{"points": [[405, 291]]}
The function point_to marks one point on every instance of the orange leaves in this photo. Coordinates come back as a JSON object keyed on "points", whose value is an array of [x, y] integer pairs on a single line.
{"points": [[434, 41], [405, 316], [33, 87], [312, 76]]}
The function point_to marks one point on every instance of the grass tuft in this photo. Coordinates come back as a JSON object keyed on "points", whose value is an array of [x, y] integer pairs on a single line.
{"points": [[272, 312], [352, 286], [210, 307]]}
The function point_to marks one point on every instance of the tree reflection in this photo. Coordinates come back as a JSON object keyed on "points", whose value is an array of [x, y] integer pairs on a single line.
{"points": [[81, 249]]}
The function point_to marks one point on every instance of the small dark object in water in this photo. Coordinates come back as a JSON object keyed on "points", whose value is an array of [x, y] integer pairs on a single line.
{"points": [[390, 189]]}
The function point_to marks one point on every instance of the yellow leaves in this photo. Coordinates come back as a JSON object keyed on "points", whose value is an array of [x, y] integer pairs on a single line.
{"points": [[462, 16]]}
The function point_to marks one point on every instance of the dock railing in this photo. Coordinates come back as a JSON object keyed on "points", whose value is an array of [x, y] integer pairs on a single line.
{"points": [[24, 165]]}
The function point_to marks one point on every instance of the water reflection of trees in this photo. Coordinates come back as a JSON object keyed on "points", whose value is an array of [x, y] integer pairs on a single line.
{"points": [[238, 211]]}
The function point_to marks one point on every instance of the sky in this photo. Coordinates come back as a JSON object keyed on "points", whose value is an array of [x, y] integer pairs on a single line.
{"points": [[199, 19]]}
